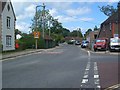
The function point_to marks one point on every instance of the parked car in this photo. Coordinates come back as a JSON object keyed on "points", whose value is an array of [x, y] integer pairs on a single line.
{"points": [[114, 44], [77, 42], [84, 44], [71, 41], [100, 44]]}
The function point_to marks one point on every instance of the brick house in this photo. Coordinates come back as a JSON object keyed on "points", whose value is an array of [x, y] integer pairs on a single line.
{"points": [[7, 25], [111, 27]]}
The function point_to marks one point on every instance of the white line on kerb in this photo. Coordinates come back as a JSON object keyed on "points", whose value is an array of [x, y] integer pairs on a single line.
{"points": [[88, 53]]}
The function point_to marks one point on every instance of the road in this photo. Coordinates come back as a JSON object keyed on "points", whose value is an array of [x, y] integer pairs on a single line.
{"points": [[68, 66]]}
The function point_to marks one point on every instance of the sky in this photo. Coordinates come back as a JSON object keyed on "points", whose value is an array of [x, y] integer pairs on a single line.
{"points": [[72, 14]]}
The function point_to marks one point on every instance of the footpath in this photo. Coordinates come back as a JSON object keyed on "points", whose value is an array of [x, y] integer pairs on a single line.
{"points": [[24, 52]]}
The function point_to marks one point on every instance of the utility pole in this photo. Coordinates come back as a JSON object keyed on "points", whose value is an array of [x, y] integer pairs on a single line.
{"points": [[49, 28], [43, 20], [43, 6]]}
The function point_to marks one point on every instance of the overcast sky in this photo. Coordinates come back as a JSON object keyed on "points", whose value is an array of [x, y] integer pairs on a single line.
{"points": [[71, 14]]}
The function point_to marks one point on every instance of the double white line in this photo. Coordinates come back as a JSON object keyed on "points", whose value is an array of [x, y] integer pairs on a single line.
{"points": [[85, 79]]}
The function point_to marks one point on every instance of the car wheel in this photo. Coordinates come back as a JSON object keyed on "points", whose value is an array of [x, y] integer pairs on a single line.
{"points": [[95, 49]]}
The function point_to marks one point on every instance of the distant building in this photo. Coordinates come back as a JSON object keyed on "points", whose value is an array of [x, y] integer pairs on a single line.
{"points": [[91, 37], [7, 25], [111, 27]]}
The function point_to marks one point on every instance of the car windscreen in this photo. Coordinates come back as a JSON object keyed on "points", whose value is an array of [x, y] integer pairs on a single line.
{"points": [[100, 40], [115, 40], [85, 42]]}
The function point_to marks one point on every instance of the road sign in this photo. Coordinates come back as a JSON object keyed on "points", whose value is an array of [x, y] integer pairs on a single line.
{"points": [[36, 34]]}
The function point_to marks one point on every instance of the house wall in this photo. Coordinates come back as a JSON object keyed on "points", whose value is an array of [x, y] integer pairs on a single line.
{"points": [[106, 31], [0, 22], [119, 30], [5, 30]]}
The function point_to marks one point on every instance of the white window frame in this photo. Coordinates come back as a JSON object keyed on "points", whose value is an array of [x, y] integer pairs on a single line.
{"points": [[8, 22], [8, 41]]}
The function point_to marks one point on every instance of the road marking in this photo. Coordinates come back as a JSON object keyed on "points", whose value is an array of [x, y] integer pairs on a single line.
{"points": [[96, 76], [88, 53], [84, 80], [113, 87], [85, 76]]}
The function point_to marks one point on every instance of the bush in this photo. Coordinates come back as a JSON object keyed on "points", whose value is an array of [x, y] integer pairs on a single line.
{"points": [[22, 45]]}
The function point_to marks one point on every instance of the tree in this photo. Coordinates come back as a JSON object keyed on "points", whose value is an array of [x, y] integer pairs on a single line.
{"points": [[95, 28], [87, 32], [108, 10], [45, 21], [76, 33], [17, 32]]}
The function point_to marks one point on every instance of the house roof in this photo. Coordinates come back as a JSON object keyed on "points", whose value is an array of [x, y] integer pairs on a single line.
{"points": [[47, 37], [3, 6], [112, 18]]}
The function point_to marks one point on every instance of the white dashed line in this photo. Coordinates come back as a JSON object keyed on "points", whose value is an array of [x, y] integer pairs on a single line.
{"points": [[84, 80], [89, 53], [85, 76], [96, 75]]}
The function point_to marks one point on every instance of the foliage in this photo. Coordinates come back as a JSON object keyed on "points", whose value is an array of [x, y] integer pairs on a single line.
{"points": [[17, 32], [29, 41], [76, 33], [47, 23], [87, 32], [108, 10], [95, 28]]}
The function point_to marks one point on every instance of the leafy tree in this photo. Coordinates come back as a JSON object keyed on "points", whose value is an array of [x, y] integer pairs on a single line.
{"points": [[17, 32], [76, 33], [65, 32], [95, 28], [29, 41], [107, 10], [87, 32]]}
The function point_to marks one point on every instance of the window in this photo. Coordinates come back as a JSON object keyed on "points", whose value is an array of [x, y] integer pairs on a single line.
{"points": [[8, 7], [110, 26], [8, 40], [8, 22]]}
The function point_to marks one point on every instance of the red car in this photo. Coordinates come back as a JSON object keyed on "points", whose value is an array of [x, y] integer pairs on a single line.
{"points": [[100, 44]]}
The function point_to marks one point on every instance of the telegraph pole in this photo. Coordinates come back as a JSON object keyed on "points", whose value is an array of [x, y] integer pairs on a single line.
{"points": [[43, 20]]}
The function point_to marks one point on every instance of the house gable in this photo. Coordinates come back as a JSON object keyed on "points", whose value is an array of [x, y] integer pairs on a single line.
{"points": [[8, 26], [4, 4]]}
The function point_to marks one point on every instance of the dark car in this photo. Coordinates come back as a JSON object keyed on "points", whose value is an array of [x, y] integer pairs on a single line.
{"points": [[84, 44], [77, 43], [71, 41]]}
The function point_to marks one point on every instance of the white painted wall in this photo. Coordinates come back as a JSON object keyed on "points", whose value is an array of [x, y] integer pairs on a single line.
{"points": [[5, 30]]}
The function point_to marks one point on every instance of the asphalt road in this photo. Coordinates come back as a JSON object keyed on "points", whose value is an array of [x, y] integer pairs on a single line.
{"points": [[65, 67]]}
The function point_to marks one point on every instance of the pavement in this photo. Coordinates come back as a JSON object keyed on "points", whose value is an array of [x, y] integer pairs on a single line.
{"points": [[23, 53]]}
